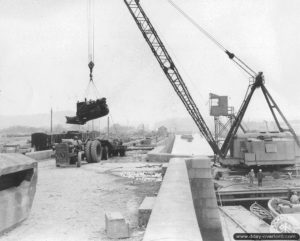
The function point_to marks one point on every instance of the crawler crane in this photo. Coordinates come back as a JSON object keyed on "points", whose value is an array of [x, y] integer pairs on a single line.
{"points": [[168, 66]]}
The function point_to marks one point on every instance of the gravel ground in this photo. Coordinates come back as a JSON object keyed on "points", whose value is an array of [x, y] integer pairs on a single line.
{"points": [[70, 203]]}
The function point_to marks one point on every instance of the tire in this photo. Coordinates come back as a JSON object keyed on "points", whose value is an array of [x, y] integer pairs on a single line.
{"points": [[87, 151], [122, 153], [105, 153], [96, 151]]}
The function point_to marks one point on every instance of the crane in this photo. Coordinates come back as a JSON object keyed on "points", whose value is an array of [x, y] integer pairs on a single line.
{"points": [[166, 63], [256, 83]]}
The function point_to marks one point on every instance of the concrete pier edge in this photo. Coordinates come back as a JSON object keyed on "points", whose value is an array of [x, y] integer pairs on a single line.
{"points": [[186, 206]]}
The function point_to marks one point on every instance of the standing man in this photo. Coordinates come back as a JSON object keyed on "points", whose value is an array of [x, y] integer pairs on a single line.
{"points": [[260, 176], [294, 198], [251, 175]]}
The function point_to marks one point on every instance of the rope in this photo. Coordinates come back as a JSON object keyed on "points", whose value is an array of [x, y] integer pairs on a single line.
{"points": [[246, 65], [240, 63], [197, 26], [243, 68], [88, 91]]}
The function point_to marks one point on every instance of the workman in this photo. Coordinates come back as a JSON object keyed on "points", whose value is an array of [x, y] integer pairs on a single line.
{"points": [[260, 176], [251, 176], [294, 198]]}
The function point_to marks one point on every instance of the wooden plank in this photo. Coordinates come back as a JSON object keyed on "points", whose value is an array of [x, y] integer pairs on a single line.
{"points": [[223, 199], [229, 227], [245, 219]]}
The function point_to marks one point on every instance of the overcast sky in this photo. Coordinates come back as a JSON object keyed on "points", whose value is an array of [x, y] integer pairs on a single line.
{"points": [[44, 56]]}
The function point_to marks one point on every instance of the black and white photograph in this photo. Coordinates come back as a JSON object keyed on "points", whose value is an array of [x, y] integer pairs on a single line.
{"points": [[149, 120]]}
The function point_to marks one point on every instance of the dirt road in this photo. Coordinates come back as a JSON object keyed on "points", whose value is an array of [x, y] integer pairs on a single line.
{"points": [[70, 203]]}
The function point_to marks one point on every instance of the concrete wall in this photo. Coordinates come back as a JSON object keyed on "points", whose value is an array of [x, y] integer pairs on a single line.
{"points": [[204, 198], [173, 216], [164, 147], [40, 155], [186, 206], [167, 143]]}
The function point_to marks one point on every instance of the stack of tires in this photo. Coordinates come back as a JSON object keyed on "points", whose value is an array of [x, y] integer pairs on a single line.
{"points": [[95, 151]]}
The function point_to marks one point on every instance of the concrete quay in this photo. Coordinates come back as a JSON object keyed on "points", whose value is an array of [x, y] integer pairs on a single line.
{"points": [[174, 147], [186, 206], [173, 216]]}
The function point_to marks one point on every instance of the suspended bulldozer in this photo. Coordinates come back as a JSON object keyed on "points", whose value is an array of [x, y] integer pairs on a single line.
{"points": [[89, 110]]}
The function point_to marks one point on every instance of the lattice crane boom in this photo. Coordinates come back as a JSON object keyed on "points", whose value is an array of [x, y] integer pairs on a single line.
{"points": [[166, 63]]}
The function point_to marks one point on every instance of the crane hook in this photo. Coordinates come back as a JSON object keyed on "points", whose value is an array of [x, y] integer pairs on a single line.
{"points": [[91, 66]]}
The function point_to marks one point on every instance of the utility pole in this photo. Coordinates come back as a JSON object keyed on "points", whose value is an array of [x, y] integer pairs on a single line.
{"points": [[108, 127], [51, 123]]}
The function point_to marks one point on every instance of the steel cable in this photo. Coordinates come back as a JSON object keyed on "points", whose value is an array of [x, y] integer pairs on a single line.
{"points": [[240, 63]]}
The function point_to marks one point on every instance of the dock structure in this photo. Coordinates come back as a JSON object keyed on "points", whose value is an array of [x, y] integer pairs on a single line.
{"points": [[192, 211], [230, 192], [173, 216], [245, 220]]}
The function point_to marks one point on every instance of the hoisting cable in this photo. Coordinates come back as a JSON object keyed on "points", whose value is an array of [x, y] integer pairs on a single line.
{"points": [[91, 37], [91, 44], [91, 85], [232, 56]]}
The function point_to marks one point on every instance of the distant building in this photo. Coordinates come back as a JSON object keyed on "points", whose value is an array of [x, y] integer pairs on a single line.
{"points": [[162, 131]]}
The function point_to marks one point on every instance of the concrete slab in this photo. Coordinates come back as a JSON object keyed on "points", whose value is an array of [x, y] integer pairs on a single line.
{"points": [[116, 226]]}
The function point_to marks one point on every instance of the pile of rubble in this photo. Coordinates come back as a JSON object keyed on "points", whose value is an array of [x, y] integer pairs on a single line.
{"points": [[143, 176], [141, 173]]}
